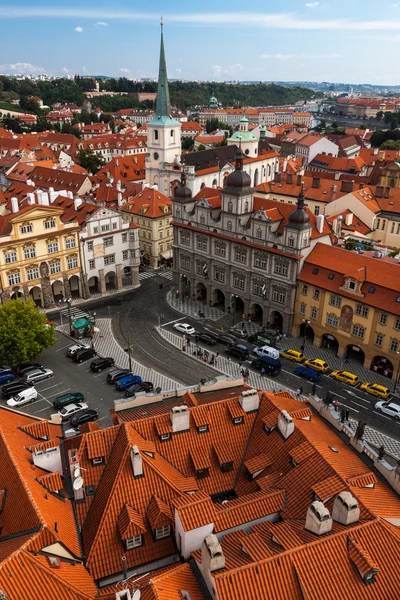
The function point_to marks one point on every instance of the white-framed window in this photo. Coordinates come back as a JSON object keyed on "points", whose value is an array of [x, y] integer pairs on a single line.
{"points": [[133, 542], [55, 267], [115, 225], [50, 224], [281, 268], [258, 288], [32, 273], [27, 228], [133, 253], [394, 345], [351, 284], [90, 246], [304, 289], [220, 249], [185, 262], [335, 301], [302, 309], [358, 331], [92, 263], [70, 243], [316, 294], [108, 241], [30, 252], [201, 243], [279, 296], [260, 261], [332, 320], [230, 206], [240, 255], [362, 310], [259, 234], [105, 227], [383, 319], [397, 324], [314, 313], [72, 262], [132, 236], [95, 230], [163, 532], [219, 275], [109, 259], [124, 237], [124, 254], [52, 247], [14, 278], [239, 281], [10, 257], [379, 339], [291, 242], [185, 238]]}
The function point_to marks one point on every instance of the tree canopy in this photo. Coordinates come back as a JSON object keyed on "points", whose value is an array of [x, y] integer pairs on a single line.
{"points": [[24, 332], [90, 160], [382, 136]]}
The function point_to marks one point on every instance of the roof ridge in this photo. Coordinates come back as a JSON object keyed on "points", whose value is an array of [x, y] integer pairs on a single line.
{"points": [[260, 493]]}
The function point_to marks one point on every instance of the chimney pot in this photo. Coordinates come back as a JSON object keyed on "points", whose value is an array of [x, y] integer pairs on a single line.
{"points": [[179, 416], [299, 180], [278, 177], [318, 519], [249, 400], [289, 178], [14, 205], [316, 182], [345, 509], [137, 462], [285, 424]]}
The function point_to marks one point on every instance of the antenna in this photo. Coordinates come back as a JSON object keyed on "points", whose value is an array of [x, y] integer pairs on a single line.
{"points": [[77, 472], [78, 483]]}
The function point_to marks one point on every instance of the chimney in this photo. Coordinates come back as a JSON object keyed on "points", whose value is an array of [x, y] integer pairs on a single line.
{"points": [[376, 151], [70, 195], [278, 177], [212, 557], [289, 178], [316, 182], [77, 203], [379, 191], [320, 223], [386, 193], [332, 193], [39, 196], [249, 400], [284, 165], [347, 186], [14, 205], [31, 198], [45, 199], [345, 509], [119, 186], [120, 202], [285, 424], [137, 462], [30, 182], [53, 196], [318, 519], [299, 180], [63, 193], [179, 416], [349, 219]]}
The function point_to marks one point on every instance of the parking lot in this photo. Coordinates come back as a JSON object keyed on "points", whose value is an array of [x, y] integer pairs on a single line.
{"points": [[71, 377]]}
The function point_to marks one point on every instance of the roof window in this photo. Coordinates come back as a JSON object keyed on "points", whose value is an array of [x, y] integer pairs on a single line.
{"points": [[315, 270], [371, 290], [398, 299], [335, 450], [331, 276]]}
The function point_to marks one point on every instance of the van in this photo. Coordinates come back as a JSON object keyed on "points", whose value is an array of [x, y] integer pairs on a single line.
{"points": [[239, 351], [271, 366], [6, 376], [266, 351], [70, 398], [25, 396]]}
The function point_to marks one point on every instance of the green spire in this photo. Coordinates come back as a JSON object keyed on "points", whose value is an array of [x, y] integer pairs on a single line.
{"points": [[163, 107]]}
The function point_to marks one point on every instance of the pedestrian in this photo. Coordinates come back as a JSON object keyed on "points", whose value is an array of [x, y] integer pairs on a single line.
{"points": [[240, 365], [302, 347], [197, 339], [242, 324], [217, 354], [301, 390], [297, 392], [347, 415], [313, 389], [216, 358], [262, 372], [212, 360], [205, 358]]}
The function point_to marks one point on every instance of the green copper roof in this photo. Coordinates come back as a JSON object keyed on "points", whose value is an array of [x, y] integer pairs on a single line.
{"points": [[163, 107], [244, 136]]}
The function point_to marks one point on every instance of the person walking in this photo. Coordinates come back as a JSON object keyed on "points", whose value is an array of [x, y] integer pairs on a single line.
{"points": [[298, 392], [301, 390], [262, 373], [313, 389], [216, 359]]}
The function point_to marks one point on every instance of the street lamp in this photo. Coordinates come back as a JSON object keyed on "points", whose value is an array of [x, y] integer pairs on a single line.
{"points": [[306, 324], [69, 302], [234, 298]]}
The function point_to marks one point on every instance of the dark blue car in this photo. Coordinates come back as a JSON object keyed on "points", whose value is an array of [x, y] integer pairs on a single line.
{"points": [[125, 382], [6, 376], [307, 373]]}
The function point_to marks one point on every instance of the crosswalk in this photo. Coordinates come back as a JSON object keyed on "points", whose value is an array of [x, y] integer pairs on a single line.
{"points": [[76, 313], [148, 274]]}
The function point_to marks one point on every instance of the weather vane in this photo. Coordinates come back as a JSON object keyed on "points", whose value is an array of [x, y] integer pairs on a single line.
{"points": [[161, 23]]}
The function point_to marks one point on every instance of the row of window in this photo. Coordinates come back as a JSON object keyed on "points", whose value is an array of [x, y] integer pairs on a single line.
{"points": [[28, 227], [137, 540], [109, 241], [11, 256], [394, 229], [104, 228], [109, 259], [33, 272], [220, 247]]}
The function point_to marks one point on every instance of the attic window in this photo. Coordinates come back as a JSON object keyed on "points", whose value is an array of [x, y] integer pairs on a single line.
{"points": [[334, 449], [54, 562], [165, 437], [331, 276], [90, 490], [226, 467], [315, 271], [351, 284], [398, 299], [97, 461], [202, 473], [237, 420], [371, 290], [202, 429], [133, 542]]}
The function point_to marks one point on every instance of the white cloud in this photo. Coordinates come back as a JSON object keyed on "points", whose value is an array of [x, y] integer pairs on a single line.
{"points": [[124, 70], [101, 24], [178, 70], [312, 4], [65, 70], [232, 70], [79, 29], [296, 56], [23, 68]]}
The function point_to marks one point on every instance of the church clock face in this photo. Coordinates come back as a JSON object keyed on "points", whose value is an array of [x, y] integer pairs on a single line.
{"points": [[156, 156]]}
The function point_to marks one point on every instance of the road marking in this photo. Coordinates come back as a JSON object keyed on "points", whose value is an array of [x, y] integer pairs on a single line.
{"points": [[50, 386], [58, 393], [360, 405], [99, 375], [358, 397], [336, 394], [63, 348], [381, 415], [41, 410], [174, 321], [350, 407], [102, 418]]}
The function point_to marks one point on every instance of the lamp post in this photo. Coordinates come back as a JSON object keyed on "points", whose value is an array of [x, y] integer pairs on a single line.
{"points": [[306, 324], [69, 302], [234, 297], [396, 381]]}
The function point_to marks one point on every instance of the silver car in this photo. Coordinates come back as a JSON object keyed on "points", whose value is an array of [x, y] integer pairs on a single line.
{"points": [[37, 375]]}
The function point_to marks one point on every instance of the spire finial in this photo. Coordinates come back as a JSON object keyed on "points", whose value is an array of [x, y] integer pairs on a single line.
{"points": [[163, 108], [161, 22]]}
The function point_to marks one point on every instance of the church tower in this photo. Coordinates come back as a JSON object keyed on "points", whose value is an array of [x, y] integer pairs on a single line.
{"points": [[163, 133]]}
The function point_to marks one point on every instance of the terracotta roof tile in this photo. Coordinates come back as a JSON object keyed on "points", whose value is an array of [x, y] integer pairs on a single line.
{"points": [[171, 584], [194, 510], [159, 513], [360, 557], [51, 481], [130, 522], [248, 508], [302, 452], [365, 480], [328, 488], [258, 463]]}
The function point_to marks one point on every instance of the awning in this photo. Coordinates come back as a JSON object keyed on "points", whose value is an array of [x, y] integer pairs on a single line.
{"points": [[168, 254]]}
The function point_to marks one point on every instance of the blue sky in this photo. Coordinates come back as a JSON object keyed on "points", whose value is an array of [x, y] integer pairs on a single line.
{"points": [[355, 41]]}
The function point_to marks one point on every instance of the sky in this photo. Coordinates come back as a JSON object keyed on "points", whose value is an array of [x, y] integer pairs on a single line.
{"points": [[350, 41]]}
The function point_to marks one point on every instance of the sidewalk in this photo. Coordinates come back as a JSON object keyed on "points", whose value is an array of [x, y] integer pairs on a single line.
{"points": [[192, 308]]}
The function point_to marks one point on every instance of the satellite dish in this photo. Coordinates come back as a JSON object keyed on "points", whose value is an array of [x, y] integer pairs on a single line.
{"points": [[77, 472], [136, 595], [78, 483]]}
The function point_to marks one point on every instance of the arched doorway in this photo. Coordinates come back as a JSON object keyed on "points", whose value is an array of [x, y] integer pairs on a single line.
{"points": [[219, 298], [110, 280], [237, 304], [329, 342], [201, 291], [255, 177], [17, 294], [36, 295], [93, 284], [355, 353], [276, 320], [74, 285], [58, 290], [214, 183], [307, 332], [382, 365], [257, 313]]}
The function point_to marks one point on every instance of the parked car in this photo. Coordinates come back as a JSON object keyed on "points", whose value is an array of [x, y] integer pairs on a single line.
{"points": [[5, 368], [69, 410], [271, 366], [184, 328], [70, 398], [127, 381], [238, 332], [226, 338], [73, 349], [238, 351], [38, 375], [24, 397], [307, 373], [294, 355], [376, 390], [388, 408], [25, 367], [98, 364], [266, 351], [84, 416], [264, 338], [116, 374], [83, 354], [6, 376], [143, 386], [12, 389], [207, 339], [345, 376], [317, 364]]}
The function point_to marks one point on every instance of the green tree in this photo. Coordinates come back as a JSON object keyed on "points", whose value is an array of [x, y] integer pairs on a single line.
{"points": [[23, 332], [30, 104], [90, 160], [394, 123], [201, 147], [334, 125]]}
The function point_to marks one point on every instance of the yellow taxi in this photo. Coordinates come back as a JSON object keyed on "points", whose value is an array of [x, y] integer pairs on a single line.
{"points": [[376, 390], [345, 376], [317, 364], [295, 355]]}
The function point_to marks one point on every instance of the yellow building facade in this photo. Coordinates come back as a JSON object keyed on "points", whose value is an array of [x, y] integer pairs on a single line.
{"points": [[40, 256]]}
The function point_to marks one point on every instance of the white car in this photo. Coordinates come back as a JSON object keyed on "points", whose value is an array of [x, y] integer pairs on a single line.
{"points": [[266, 351], [69, 410], [238, 332], [72, 349], [388, 408], [24, 397], [185, 328]]}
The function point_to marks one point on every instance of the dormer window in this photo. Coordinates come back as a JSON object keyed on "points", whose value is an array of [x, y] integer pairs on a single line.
{"points": [[351, 284], [165, 437], [202, 473], [226, 467], [202, 429], [99, 460], [163, 532], [134, 542], [237, 420]]}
